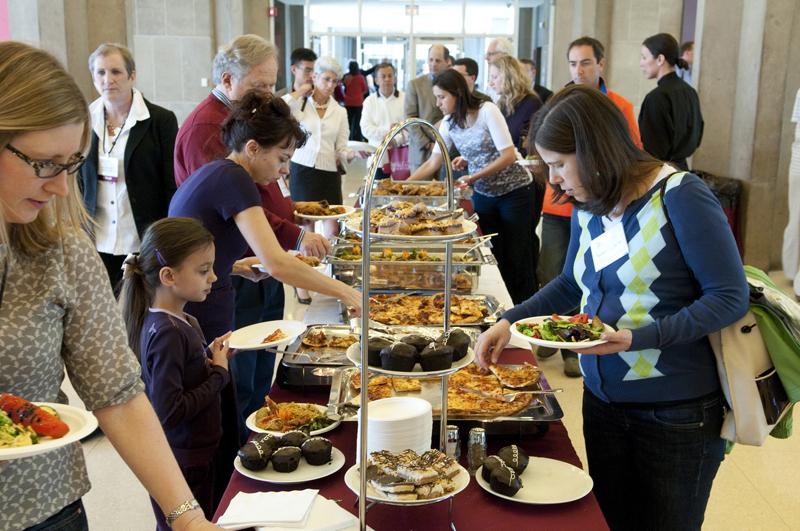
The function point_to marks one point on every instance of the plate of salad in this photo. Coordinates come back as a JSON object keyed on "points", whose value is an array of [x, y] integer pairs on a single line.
{"points": [[557, 331]]}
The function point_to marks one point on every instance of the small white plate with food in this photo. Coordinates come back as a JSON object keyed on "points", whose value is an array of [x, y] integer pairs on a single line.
{"points": [[545, 481], [311, 261], [303, 473], [40, 432], [321, 210], [276, 419], [556, 331], [266, 334]]}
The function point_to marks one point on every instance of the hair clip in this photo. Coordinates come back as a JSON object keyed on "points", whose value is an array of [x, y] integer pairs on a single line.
{"points": [[161, 261], [254, 110]]}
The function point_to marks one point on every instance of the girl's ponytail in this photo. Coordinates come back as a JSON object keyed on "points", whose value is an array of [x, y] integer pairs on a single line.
{"points": [[135, 299]]}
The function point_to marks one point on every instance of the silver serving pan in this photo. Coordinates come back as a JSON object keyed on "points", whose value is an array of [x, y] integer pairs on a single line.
{"points": [[429, 200], [411, 274], [544, 408]]}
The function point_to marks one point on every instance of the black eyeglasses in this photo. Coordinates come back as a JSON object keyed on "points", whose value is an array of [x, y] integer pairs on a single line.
{"points": [[47, 169]]}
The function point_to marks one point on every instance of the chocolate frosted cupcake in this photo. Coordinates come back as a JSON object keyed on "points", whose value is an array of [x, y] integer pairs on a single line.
{"points": [[374, 347], [417, 341], [514, 457], [458, 339], [436, 358], [256, 453], [317, 450], [505, 481], [489, 465], [293, 438], [399, 357], [286, 459]]}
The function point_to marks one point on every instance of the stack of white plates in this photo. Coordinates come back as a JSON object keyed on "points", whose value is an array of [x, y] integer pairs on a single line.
{"points": [[397, 424]]}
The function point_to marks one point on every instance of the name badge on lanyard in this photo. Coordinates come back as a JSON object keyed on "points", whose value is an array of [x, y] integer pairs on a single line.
{"points": [[609, 246], [283, 186], [108, 168]]}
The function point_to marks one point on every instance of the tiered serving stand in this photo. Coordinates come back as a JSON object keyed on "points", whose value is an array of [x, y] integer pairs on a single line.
{"points": [[367, 237]]}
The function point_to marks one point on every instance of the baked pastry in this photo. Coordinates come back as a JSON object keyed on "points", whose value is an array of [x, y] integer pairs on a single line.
{"points": [[489, 465], [436, 358], [256, 453], [459, 340], [505, 481], [374, 347], [317, 450], [399, 357], [514, 457], [293, 438], [286, 459], [417, 341]]}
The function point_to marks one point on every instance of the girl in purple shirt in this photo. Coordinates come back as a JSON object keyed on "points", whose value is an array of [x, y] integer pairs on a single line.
{"points": [[174, 267]]}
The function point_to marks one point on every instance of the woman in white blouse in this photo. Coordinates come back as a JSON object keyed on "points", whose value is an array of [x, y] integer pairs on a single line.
{"points": [[314, 174], [128, 179], [382, 110]]}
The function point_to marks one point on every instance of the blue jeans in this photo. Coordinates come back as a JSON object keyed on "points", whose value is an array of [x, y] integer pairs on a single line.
{"points": [[511, 217], [252, 369], [653, 465], [70, 518]]}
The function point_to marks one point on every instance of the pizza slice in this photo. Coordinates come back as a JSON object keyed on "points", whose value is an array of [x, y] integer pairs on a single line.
{"points": [[525, 375], [406, 385], [276, 335]]}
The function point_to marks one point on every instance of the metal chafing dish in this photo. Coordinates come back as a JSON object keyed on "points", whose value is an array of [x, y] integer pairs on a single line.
{"points": [[410, 274], [379, 199], [542, 409]]}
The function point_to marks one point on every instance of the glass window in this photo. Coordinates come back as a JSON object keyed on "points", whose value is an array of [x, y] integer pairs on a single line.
{"points": [[384, 17], [438, 17], [489, 17], [333, 16]]}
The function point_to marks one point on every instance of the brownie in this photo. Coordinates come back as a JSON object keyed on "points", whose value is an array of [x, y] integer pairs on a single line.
{"points": [[286, 459], [399, 357]]}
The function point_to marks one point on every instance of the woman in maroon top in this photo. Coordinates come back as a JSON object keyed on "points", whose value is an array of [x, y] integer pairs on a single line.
{"points": [[355, 90]]}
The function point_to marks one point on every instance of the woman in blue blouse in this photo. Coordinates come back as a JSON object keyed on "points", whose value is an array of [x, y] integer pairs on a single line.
{"points": [[652, 406]]}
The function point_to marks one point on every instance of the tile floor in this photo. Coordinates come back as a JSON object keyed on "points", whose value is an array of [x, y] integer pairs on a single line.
{"points": [[756, 488]]}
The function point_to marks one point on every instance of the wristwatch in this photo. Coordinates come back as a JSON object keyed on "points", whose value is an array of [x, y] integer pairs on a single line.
{"points": [[188, 505]]}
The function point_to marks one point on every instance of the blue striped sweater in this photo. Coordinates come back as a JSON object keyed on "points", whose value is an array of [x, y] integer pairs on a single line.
{"points": [[651, 292]]}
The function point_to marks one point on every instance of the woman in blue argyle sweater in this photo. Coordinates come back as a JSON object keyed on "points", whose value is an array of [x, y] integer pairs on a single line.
{"points": [[652, 407]]}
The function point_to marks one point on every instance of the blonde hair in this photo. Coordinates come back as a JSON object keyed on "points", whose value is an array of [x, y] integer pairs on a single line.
{"points": [[516, 84], [37, 94]]}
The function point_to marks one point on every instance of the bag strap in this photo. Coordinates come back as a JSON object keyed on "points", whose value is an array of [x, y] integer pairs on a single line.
{"points": [[662, 186]]}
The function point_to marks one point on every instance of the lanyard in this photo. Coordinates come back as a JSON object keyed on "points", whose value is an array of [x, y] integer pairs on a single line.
{"points": [[105, 128]]}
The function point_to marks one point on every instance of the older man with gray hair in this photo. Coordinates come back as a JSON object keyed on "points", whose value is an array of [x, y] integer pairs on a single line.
{"points": [[498, 48]]}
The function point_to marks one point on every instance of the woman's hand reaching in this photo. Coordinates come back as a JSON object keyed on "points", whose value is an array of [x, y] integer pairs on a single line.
{"points": [[491, 343], [244, 268], [459, 163]]}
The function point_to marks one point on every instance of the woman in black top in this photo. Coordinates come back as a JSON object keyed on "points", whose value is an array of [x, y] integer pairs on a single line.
{"points": [[670, 120]]}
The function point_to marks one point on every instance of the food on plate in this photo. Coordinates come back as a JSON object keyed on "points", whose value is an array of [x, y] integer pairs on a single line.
{"points": [[408, 476], [517, 377], [286, 416], [317, 450], [315, 339], [513, 456], [425, 309], [408, 219], [293, 438], [312, 261], [458, 339], [406, 385], [13, 434], [399, 357], [318, 208], [374, 347], [286, 459], [342, 342], [489, 465], [434, 358], [257, 452], [405, 255], [276, 335], [471, 394], [505, 481], [390, 187], [564, 329], [386, 384], [28, 415], [417, 341]]}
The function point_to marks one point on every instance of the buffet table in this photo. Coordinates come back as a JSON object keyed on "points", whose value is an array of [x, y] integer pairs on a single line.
{"points": [[473, 508]]}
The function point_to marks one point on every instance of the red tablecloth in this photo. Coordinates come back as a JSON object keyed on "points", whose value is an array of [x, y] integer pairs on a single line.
{"points": [[473, 509]]}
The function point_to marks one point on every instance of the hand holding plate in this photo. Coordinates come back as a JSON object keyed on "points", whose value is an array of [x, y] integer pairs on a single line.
{"points": [[617, 341]]}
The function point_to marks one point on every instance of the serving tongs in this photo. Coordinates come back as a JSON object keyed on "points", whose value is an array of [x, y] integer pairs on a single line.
{"points": [[511, 395], [481, 240]]}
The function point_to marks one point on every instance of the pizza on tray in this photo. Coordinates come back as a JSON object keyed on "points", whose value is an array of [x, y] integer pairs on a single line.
{"points": [[524, 375], [425, 309]]}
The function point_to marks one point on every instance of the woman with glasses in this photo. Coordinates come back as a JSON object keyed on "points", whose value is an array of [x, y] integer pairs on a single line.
{"points": [[127, 181], [57, 311]]}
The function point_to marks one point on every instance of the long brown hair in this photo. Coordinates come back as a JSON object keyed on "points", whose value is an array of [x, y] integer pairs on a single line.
{"points": [[454, 83], [37, 94], [262, 117], [167, 242], [582, 120]]}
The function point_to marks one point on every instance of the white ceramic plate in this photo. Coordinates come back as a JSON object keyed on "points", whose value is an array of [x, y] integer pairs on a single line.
{"points": [[353, 482], [546, 481], [252, 337], [553, 344], [304, 472], [468, 226], [250, 422], [353, 354], [347, 211], [81, 423], [361, 146], [262, 269]]}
